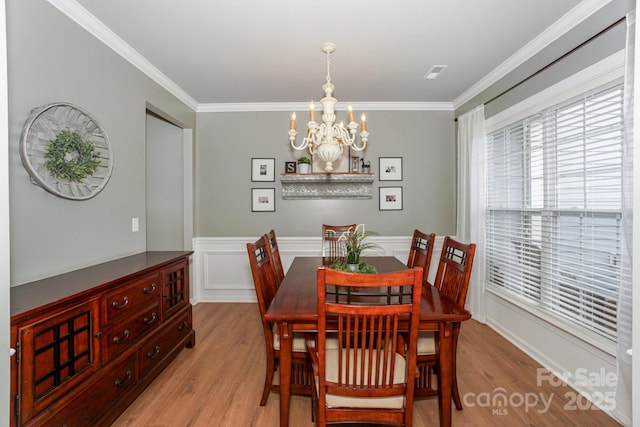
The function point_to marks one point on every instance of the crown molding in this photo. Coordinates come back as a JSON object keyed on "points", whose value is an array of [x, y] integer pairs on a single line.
{"points": [[91, 24], [571, 19], [95, 27], [303, 106], [99, 30]]}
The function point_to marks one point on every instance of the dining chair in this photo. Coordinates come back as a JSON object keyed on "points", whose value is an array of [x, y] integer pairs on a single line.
{"points": [[332, 248], [275, 255], [420, 252], [265, 282], [369, 376], [452, 280]]}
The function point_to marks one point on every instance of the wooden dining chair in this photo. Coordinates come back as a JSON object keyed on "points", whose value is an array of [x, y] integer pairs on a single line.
{"points": [[369, 375], [275, 255], [452, 280], [265, 282], [421, 251], [332, 247]]}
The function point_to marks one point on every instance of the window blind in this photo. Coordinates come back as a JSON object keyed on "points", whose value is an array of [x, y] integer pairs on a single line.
{"points": [[554, 209]]}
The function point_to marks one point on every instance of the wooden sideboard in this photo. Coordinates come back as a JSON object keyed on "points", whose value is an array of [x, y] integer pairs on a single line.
{"points": [[89, 341]]}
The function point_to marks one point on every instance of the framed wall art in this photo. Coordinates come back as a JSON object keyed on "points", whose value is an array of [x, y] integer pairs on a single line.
{"points": [[263, 200], [263, 170], [390, 169], [66, 151], [390, 198]]}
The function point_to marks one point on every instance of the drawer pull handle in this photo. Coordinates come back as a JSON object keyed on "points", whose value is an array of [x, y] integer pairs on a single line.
{"points": [[150, 321], [183, 325], [156, 352], [99, 334], [119, 340], [149, 291], [123, 305], [120, 382]]}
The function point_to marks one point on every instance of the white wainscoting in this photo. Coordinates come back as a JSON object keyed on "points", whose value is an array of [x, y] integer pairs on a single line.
{"points": [[221, 271]]}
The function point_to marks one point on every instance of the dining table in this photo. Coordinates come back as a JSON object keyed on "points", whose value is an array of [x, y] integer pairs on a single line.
{"points": [[295, 309]]}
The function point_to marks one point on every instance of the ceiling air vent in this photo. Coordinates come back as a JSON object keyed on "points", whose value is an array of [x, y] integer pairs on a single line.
{"points": [[434, 72]]}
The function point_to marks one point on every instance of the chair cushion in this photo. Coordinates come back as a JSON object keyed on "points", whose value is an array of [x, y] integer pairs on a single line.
{"points": [[335, 401], [299, 343], [426, 343], [332, 341]]}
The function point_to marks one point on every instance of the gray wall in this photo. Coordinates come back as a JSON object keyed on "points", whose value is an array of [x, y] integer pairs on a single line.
{"points": [[226, 142], [52, 59]]}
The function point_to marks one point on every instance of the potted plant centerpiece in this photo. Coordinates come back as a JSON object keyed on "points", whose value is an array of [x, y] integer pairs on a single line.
{"points": [[354, 242], [304, 164]]}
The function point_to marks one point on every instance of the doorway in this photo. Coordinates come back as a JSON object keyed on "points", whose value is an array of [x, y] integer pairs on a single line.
{"points": [[165, 185]]}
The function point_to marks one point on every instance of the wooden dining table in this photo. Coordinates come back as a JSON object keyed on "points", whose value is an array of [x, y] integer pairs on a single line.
{"points": [[295, 308]]}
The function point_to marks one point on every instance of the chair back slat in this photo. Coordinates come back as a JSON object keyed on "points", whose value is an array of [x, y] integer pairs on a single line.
{"points": [[454, 270], [275, 255], [263, 272], [332, 247], [369, 326], [421, 252]]}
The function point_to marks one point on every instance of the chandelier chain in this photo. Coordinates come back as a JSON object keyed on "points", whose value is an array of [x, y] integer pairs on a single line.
{"points": [[328, 68]]}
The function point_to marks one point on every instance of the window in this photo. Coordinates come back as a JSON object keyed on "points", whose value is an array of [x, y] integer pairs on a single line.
{"points": [[554, 209]]}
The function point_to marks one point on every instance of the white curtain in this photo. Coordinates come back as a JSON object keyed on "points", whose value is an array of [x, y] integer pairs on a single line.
{"points": [[622, 410], [471, 203]]}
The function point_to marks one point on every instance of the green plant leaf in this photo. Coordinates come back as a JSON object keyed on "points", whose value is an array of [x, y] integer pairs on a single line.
{"points": [[70, 158]]}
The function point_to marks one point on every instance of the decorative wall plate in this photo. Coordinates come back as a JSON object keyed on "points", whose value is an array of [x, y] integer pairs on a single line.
{"points": [[66, 151]]}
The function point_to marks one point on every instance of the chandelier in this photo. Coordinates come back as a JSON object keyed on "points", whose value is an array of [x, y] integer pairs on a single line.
{"points": [[328, 139]]}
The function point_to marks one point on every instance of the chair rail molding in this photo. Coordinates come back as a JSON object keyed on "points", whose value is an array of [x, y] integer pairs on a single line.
{"points": [[221, 271]]}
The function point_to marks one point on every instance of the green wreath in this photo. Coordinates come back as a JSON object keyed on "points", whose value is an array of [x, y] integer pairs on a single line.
{"points": [[68, 157]]}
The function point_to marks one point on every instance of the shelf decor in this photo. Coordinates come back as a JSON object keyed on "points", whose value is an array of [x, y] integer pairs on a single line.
{"points": [[304, 164], [66, 151], [290, 167]]}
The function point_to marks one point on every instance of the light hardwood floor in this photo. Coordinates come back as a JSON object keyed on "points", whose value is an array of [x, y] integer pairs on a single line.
{"points": [[219, 382]]}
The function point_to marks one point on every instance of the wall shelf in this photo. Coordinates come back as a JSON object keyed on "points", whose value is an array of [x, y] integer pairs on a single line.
{"points": [[327, 186]]}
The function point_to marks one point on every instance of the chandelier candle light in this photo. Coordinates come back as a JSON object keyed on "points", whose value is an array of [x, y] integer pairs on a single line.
{"points": [[327, 139]]}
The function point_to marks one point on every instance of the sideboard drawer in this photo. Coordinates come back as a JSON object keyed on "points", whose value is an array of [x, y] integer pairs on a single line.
{"points": [[81, 412], [125, 301], [153, 352], [122, 336]]}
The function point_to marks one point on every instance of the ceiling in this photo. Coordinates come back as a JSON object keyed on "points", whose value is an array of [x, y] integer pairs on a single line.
{"points": [[212, 52]]}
